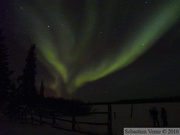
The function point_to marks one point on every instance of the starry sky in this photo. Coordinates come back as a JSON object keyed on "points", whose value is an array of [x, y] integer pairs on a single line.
{"points": [[97, 50]]}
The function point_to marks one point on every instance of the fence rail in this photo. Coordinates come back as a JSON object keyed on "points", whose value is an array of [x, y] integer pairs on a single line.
{"points": [[54, 119]]}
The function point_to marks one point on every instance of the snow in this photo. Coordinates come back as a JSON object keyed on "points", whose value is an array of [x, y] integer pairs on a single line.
{"points": [[16, 128], [120, 119]]}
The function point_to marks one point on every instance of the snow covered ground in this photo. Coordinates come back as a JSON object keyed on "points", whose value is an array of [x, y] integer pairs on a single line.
{"points": [[12, 128], [120, 119]]}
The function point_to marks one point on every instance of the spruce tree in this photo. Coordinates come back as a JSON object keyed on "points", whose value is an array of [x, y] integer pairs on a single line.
{"points": [[28, 88], [5, 73]]}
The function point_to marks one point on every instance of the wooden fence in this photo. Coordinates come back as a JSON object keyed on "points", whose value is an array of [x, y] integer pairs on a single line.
{"points": [[39, 117]]}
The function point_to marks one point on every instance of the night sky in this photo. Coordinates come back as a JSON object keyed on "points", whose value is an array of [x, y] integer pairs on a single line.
{"points": [[97, 50]]}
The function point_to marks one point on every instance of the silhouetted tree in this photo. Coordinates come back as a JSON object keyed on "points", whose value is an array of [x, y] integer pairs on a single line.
{"points": [[42, 89], [27, 87], [5, 73]]}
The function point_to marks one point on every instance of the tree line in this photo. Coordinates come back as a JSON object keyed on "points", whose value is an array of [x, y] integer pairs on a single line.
{"points": [[25, 92], [25, 89]]}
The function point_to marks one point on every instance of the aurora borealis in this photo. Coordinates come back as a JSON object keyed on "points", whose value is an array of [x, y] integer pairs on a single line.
{"points": [[84, 41]]}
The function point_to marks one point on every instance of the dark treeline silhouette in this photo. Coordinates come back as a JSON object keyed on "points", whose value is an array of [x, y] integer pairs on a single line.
{"points": [[23, 97], [65, 106], [5, 81]]}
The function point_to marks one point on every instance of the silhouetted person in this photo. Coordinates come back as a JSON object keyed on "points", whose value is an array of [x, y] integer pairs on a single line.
{"points": [[154, 114], [164, 117]]}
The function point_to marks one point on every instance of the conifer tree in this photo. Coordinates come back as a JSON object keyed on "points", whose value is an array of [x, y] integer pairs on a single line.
{"points": [[27, 87], [5, 73]]}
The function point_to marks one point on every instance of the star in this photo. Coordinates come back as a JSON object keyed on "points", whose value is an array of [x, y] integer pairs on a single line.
{"points": [[21, 8]]}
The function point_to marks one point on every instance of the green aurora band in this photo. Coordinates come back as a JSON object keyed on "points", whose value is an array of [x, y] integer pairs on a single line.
{"points": [[66, 53]]}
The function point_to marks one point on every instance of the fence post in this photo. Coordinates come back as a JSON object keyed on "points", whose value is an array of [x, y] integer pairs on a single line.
{"points": [[73, 122], [109, 119], [32, 118], [131, 110], [40, 118], [25, 118], [54, 118], [73, 118], [21, 116]]}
